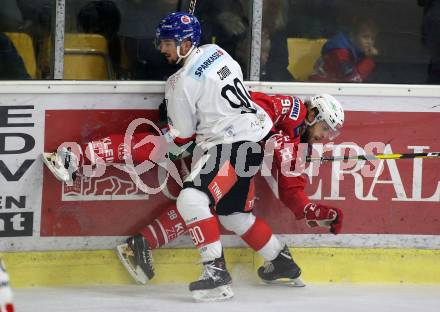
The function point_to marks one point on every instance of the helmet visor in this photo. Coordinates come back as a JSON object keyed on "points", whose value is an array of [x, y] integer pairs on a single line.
{"points": [[165, 43], [328, 131], [165, 33]]}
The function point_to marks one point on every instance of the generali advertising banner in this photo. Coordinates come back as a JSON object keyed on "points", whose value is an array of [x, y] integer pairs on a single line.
{"points": [[378, 197], [383, 197]]}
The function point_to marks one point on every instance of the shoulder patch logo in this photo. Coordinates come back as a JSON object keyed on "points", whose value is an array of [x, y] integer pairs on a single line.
{"points": [[294, 113]]}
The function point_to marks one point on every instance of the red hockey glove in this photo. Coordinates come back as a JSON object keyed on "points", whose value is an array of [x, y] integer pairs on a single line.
{"points": [[320, 215]]}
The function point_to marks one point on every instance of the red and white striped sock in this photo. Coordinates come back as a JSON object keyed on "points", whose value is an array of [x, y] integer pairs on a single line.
{"points": [[261, 239], [167, 227], [205, 235]]}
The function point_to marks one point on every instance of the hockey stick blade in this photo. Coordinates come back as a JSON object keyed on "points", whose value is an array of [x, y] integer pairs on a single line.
{"points": [[136, 273]]}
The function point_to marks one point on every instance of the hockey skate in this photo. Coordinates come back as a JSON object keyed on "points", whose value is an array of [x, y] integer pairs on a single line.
{"points": [[214, 284], [281, 271], [63, 164], [137, 258]]}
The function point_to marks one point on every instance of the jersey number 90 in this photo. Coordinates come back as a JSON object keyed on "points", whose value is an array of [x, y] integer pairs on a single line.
{"points": [[238, 97]]}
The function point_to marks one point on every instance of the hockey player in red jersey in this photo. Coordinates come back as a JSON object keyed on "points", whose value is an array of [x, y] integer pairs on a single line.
{"points": [[5, 290], [318, 119]]}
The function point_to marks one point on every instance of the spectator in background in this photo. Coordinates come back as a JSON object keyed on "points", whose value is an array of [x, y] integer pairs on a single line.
{"points": [[431, 37], [37, 17], [11, 63], [348, 57], [274, 40], [274, 56], [140, 59], [37, 20], [316, 18], [10, 16], [103, 18], [269, 71], [266, 45], [226, 24]]}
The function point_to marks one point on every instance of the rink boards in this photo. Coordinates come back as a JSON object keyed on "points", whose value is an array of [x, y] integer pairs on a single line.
{"points": [[180, 265], [392, 215]]}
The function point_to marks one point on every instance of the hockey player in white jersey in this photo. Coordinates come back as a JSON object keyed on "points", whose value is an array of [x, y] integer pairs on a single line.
{"points": [[206, 99], [207, 102]]}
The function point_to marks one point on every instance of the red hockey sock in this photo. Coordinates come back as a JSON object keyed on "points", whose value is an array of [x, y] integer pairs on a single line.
{"points": [[112, 149], [258, 235], [167, 227]]}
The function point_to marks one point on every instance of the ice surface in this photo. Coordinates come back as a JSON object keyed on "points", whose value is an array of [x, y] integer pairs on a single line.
{"points": [[248, 297]]}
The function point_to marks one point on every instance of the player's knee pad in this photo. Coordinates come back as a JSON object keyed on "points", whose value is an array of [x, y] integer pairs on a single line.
{"points": [[239, 223], [193, 205]]}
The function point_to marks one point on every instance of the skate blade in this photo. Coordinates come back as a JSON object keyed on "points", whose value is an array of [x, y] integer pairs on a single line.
{"points": [[61, 174], [295, 282], [217, 294], [136, 273]]}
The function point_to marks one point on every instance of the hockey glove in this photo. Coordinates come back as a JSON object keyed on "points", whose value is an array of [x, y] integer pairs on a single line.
{"points": [[176, 151], [320, 215]]}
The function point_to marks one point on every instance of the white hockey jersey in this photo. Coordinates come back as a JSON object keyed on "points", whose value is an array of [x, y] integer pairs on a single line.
{"points": [[206, 100]]}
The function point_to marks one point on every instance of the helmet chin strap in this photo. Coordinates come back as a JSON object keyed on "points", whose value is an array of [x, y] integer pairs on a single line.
{"points": [[309, 123], [181, 57]]}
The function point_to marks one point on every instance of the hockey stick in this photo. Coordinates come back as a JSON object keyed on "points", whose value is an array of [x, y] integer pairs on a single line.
{"points": [[192, 6], [375, 157]]}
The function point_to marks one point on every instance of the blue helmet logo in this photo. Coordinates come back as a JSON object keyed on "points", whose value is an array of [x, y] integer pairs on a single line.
{"points": [[179, 26]]}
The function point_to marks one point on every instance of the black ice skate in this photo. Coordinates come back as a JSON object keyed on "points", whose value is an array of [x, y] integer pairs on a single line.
{"points": [[137, 258], [281, 270], [215, 282]]}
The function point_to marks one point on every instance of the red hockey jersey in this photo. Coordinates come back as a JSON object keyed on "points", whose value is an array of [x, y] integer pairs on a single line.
{"points": [[288, 114]]}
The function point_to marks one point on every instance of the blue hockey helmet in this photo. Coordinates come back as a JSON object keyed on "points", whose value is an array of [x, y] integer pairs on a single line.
{"points": [[179, 26]]}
